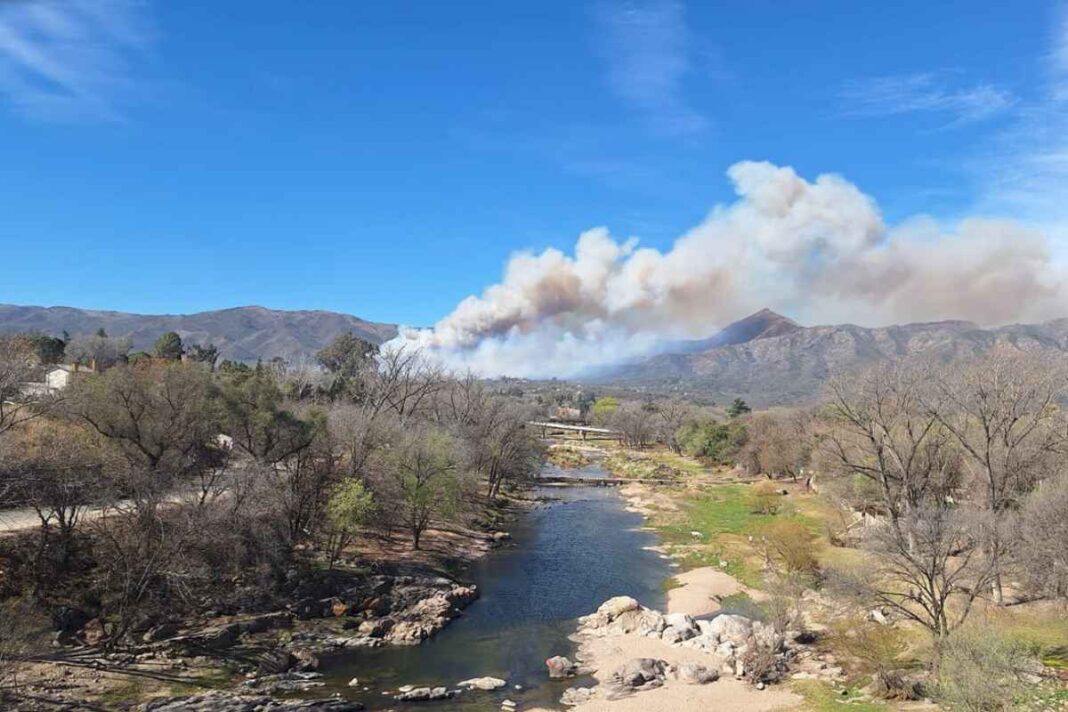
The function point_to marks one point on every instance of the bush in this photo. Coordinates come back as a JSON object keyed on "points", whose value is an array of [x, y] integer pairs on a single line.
{"points": [[718, 442], [764, 498], [793, 546], [980, 670]]}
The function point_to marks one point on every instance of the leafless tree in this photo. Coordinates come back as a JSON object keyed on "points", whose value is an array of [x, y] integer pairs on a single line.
{"points": [[161, 418], [1041, 546], [637, 423], [18, 364], [671, 415], [778, 444], [879, 427], [1002, 411], [929, 565]]}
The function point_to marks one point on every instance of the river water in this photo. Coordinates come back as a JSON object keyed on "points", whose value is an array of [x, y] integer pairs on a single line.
{"points": [[567, 557]]}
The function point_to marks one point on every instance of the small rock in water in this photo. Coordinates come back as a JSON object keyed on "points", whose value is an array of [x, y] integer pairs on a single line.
{"points": [[483, 683], [354, 682], [405, 688], [508, 705]]}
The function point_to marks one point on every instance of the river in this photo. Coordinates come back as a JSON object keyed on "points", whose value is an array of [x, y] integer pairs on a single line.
{"points": [[566, 557]]}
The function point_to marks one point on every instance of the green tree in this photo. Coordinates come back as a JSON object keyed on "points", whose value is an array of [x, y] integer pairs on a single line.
{"points": [[422, 476], [169, 346], [347, 355], [49, 348], [603, 408], [255, 417], [203, 353], [349, 507], [738, 408]]}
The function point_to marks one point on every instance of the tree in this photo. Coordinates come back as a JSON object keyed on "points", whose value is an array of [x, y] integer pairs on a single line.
{"points": [[778, 444], [671, 415], [422, 478], [49, 349], [349, 507], [718, 442], [928, 565], [161, 417], [348, 356], [203, 353], [254, 415], [1002, 411], [636, 422], [738, 408], [60, 470], [603, 408], [100, 350], [879, 427], [18, 364], [1041, 539], [169, 346]]}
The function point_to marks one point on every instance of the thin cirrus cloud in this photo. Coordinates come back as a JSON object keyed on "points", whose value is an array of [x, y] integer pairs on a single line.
{"points": [[926, 92], [647, 50], [1023, 168], [70, 60]]}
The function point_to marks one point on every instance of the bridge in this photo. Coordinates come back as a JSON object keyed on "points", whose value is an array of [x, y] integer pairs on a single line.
{"points": [[586, 431]]}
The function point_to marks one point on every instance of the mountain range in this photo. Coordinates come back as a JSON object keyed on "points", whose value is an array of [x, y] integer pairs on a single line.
{"points": [[767, 358], [241, 333]]}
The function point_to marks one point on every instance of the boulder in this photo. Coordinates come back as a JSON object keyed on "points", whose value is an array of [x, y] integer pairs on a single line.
{"points": [[304, 660], [639, 671], [376, 627], [423, 694], [695, 674], [483, 683], [160, 632], [574, 696], [560, 667], [731, 628]]}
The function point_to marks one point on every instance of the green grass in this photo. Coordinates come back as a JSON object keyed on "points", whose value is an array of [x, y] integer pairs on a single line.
{"points": [[653, 464], [821, 697]]}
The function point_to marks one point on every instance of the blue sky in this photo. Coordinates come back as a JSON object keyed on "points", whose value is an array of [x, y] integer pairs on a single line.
{"points": [[385, 159]]}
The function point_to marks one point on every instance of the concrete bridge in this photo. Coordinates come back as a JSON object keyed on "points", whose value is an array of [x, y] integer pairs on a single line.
{"points": [[587, 431]]}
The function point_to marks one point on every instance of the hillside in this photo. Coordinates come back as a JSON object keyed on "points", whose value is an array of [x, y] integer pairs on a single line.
{"points": [[782, 362], [241, 333]]}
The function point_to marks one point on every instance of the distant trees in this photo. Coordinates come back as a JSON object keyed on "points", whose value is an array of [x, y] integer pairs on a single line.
{"points": [[738, 408], [169, 346], [603, 408], [705, 437], [203, 353], [778, 444], [98, 350]]}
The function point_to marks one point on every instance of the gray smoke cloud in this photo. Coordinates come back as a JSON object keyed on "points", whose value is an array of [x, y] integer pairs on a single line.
{"points": [[816, 250]]}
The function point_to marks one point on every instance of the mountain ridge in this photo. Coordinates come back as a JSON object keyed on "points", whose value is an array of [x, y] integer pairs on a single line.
{"points": [[793, 365], [245, 333]]}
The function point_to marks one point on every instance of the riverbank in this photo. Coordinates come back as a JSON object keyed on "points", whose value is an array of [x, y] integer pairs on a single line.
{"points": [[384, 594]]}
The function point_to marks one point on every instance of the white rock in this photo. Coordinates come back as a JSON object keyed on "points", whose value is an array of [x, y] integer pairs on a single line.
{"points": [[483, 683], [354, 682]]}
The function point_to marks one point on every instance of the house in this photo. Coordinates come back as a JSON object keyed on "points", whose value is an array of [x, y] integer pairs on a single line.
{"points": [[59, 376], [56, 378]]}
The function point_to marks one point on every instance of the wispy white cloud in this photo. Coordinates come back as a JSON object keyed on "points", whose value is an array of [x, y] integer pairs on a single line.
{"points": [[70, 59], [646, 46], [1023, 169], [928, 92]]}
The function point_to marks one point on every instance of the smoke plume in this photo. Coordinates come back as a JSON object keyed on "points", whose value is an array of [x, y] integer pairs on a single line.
{"points": [[817, 250]]}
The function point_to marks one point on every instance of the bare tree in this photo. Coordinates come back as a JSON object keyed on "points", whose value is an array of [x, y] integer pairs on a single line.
{"points": [[778, 444], [159, 415], [929, 566], [1041, 546], [637, 423], [671, 415], [1002, 412], [880, 428], [18, 364]]}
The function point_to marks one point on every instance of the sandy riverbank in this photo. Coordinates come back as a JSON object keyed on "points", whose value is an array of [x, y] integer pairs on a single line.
{"points": [[697, 594]]}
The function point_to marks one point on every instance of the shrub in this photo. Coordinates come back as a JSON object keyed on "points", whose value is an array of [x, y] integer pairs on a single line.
{"points": [[793, 546], [764, 498], [980, 670]]}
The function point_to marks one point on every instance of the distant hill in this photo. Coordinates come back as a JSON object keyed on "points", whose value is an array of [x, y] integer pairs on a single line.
{"points": [[241, 333], [769, 359]]}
